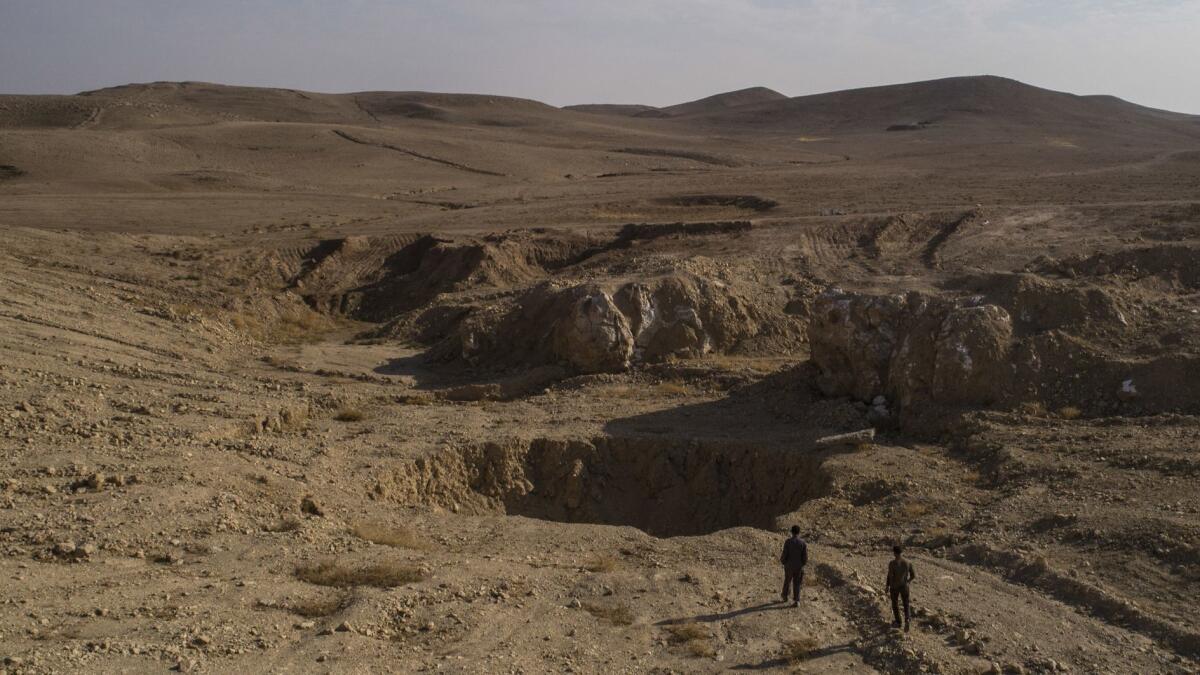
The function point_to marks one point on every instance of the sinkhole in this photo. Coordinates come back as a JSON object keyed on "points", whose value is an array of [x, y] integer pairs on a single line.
{"points": [[664, 487]]}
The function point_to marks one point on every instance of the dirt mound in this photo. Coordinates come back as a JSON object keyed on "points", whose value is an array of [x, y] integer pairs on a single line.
{"points": [[592, 328], [1172, 264], [375, 280], [1038, 304], [666, 488]]}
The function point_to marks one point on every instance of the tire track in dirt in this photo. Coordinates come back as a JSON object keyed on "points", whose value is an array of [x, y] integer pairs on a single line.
{"points": [[413, 153], [930, 255], [1084, 597]]}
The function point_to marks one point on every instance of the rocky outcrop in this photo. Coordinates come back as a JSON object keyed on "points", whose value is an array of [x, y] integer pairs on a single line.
{"points": [[591, 329], [925, 354], [910, 348]]}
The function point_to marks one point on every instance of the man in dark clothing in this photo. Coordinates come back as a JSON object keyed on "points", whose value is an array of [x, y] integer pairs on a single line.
{"points": [[900, 574], [794, 558]]}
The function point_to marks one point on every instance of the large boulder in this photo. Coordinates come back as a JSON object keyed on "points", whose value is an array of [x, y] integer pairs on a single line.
{"points": [[592, 335]]}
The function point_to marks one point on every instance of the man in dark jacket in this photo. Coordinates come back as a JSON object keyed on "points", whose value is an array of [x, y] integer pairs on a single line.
{"points": [[900, 575], [794, 558]]}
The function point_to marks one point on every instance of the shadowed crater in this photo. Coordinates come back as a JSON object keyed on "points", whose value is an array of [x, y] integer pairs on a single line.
{"points": [[663, 487]]}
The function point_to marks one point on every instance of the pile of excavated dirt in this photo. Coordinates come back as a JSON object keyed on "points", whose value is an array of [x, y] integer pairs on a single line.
{"points": [[375, 280]]}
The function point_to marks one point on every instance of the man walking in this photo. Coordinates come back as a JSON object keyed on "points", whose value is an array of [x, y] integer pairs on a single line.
{"points": [[794, 558], [900, 574]]}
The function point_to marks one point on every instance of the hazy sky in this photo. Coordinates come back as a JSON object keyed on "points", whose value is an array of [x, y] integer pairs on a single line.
{"points": [[616, 51]]}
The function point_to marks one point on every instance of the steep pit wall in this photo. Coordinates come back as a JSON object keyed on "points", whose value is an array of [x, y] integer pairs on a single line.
{"points": [[663, 487]]}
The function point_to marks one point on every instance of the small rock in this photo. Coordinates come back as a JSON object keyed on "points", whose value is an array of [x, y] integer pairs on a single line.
{"points": [[574, 603], [344, 627]]}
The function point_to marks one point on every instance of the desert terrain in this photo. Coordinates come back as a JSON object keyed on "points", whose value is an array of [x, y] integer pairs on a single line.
{"points": [[412, 382]]}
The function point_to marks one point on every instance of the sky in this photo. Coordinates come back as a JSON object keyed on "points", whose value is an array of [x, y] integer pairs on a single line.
{"points": [[655, 52]]}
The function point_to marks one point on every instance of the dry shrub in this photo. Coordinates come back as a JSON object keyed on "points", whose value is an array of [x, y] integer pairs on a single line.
{"points": [[1032, 409], [319, 606], [350, 414], [914, 509], [686, 632], [618, 614], [602, 564], [696, 638], [799, 649], [672, 389], [1070, 412], [702, 648], [340, 575], [284, 525], [387, 535], [299, 326], [292, 326], [416, 399]]}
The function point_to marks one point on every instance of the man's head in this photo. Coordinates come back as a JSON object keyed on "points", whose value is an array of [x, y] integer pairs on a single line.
{"points": [[897, 550], [795, 530]]}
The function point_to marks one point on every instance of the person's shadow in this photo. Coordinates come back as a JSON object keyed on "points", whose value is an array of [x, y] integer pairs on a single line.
{"points": [[724, 616], [780, 662]]}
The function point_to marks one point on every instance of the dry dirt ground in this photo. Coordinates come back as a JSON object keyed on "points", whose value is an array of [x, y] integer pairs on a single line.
{"points": [[295, 382]]}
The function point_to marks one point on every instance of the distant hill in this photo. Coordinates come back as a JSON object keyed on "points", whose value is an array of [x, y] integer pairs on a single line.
{"points": [[726, 101], [959, 102], [192, 102], [708, 104], [617, 109]]}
